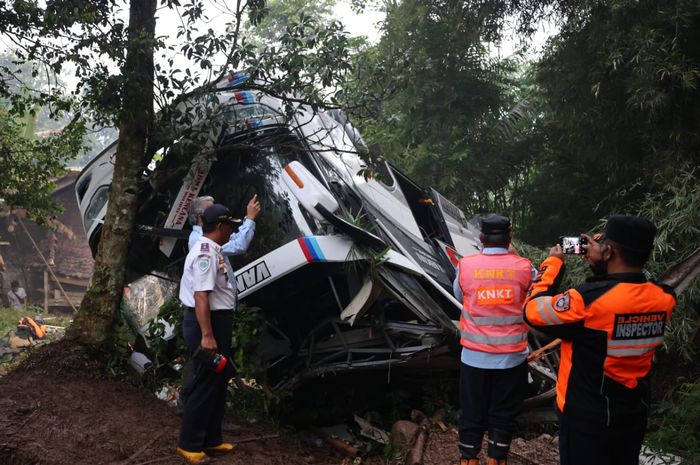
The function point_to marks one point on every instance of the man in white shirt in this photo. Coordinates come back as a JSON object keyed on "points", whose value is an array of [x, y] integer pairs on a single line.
{"points": [[17, 296], [238, 243], [208, 290]]}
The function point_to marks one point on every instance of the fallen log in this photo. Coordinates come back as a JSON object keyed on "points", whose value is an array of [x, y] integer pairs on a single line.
{"points": [[417, 416], [681, 275], [403, 434], [415, 455], [439, 419]]}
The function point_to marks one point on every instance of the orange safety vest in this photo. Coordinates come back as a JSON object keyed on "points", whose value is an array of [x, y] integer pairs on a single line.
{"points": [[28, 324], [494, 289]]}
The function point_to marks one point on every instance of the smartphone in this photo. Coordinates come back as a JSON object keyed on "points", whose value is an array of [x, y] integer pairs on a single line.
{"points": [[573, 244]]}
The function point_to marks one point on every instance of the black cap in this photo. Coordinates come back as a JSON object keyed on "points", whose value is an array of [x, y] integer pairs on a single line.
{"points": [[218, 213], [633, 232], [495, 224]]}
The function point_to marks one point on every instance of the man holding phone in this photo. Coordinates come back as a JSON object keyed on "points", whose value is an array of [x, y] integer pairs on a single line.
{"points": [[610, 327]]}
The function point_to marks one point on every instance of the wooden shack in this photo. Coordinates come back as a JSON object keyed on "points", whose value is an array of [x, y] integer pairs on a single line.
{"points": [[51, 262]]}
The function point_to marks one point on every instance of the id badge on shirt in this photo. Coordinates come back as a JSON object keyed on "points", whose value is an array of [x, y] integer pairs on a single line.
{"points": [[222, 267]]}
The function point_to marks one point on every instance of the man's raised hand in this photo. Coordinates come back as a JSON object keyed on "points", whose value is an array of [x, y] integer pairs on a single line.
{"points": [[253, 208]]}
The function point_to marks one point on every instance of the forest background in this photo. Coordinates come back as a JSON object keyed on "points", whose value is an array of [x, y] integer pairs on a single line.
{"points": [[605, 120]]}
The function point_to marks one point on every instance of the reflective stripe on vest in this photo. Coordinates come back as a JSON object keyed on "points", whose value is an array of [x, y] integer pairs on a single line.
{"points": [[514, 339], [631, 347], [547, 313], [495, 320]]}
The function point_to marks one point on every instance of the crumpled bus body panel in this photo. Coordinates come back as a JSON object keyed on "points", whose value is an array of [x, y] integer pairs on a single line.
{"points": [[368, 286]]}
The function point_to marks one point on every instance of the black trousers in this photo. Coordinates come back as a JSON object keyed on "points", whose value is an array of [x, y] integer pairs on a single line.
{"points": [[490, 399], [206, 397], [584, 444]]}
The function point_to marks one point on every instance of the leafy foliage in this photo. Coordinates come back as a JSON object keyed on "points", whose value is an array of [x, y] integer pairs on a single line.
{"points": [[558, 144], [245, 342], [618, 99], [245, 339], [28, 167], [677, 423], [274, 19], [673, 204], [169, 319], [363, 260], [431, 95]]}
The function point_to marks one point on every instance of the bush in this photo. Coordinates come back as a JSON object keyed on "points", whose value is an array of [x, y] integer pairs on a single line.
{"points": [[674, 206], [171, 313], [249, 324], [676, 424]]}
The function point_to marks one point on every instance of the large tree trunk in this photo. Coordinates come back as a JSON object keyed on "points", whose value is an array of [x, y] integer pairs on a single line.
{"points": [[100, 306]]}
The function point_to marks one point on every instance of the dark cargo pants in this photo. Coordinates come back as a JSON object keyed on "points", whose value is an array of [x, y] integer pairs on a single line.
{"points": [[490, 399], [206, 396], [584, 444]]}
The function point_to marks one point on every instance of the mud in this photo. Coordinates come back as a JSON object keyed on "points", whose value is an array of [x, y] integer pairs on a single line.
{"points": [[55, 411]]}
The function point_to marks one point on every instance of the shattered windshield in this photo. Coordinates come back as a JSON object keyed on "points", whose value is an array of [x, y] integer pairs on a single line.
{"points": [[254, 166]]}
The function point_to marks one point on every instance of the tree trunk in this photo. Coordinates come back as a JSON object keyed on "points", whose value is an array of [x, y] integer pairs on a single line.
{"points": [[99, 308]]}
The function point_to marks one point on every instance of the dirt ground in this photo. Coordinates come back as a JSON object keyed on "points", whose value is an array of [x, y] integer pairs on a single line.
{"points": [[54, 412]]}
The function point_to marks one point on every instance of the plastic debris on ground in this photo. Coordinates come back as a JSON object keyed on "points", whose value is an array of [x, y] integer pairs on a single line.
{"points": [[372, 432], [169, 394], [139, 362], [648, 456]]}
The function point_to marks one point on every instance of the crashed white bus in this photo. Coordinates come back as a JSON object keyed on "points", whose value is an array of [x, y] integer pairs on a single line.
{"points": [[338, 294]]}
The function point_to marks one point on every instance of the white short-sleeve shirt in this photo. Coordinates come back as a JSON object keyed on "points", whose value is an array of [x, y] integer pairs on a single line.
{"points": [[206, 270]]}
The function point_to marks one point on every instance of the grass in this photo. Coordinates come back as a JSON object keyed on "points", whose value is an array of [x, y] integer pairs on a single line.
{"points": [[8, 320]]}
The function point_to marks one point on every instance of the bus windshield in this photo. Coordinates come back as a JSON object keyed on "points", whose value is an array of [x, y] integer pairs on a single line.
{"points": [[254, 166]]}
